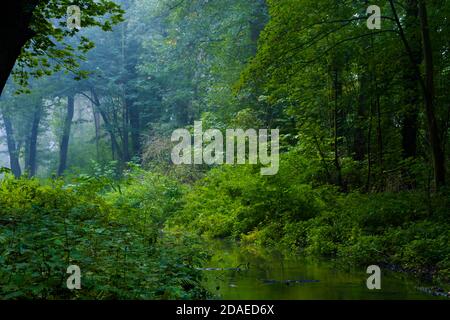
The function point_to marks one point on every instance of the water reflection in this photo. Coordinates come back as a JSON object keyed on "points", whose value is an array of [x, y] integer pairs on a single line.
{"points": [[245, 273]]}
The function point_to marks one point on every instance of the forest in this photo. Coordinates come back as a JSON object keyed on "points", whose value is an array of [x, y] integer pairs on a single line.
{"points": [[93, 91]]}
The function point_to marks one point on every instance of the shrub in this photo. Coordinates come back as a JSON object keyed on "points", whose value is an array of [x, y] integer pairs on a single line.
{"points": [[47, 227]]}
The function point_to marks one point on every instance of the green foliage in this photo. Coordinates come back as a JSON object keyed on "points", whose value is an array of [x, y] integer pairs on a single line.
{"points": [[237, 200], [147, 198], [51, 49], [47, 227], [408, 230], [349, 184]]}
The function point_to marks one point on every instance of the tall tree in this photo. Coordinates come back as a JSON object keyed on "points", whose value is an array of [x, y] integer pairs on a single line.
{"points": [[15, 32], [12, 145], [429, 89], [64, 145], [411, 79], [31, 154], [27, 27]]}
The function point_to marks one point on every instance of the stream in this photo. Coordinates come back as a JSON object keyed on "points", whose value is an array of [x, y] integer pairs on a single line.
{"points": [[252, 273]]}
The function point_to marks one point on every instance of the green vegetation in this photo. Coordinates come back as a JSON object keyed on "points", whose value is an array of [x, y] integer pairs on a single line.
{"points": [[87, 117], [116, 238], [407, 230]]}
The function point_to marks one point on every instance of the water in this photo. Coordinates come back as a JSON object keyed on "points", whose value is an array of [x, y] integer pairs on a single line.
{"points": [[269, 275]]}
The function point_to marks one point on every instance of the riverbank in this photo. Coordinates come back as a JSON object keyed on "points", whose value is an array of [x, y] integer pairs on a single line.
{"points": [[408, 229], [251, 272]]}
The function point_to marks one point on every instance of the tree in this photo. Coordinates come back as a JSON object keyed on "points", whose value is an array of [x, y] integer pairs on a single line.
{"points": [[428, 87], [290, 76], [64, 145], [411, 80], [32, 141], [12, 145], [34, 32]]}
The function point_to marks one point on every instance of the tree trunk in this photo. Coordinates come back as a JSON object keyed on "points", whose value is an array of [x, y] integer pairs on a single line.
{"points": [[64, 147], [411, 80], [379, 131], [438, 154], [31, 165], [14, 32], [125, 138], [109, 129], [427, 86], [12, 146], [135, 129], [369, 149], [108, 125], [359, 145], [125, 106], [337, 119], [96, 116]]}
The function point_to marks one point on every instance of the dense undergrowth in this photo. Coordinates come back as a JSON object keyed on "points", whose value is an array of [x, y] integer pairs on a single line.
{"points": [[407, 230], [110, 230], [138, 237]]}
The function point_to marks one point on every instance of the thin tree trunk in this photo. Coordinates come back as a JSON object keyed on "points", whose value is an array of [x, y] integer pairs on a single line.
{"points": [[96, 116], [322, 158], [109, 128], [125, 106], [438, 154], [12, 146], [135, 129], [108, 125], [337, 90], [27, 154], [379, 131], [359, 145], [125, 138], [369, 151], [32, 146], [427, 86], [64, 147], [411, 79]]}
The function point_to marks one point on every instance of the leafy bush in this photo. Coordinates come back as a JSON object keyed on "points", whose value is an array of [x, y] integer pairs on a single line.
{"points": [[232, 201], [47, 227], [409, 229], [146, 198]]}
